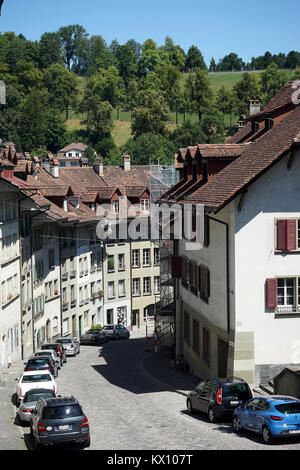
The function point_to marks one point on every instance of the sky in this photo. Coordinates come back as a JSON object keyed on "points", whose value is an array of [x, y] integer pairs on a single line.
{"points": [[216, 27]]}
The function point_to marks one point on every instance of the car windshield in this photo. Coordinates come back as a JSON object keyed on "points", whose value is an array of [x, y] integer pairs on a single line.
{"points": [[90, 332], [239, 391], [36, 378], [38, 362], [65, 341], [31, 396], [108, 327], [61, 412], [289, 408], [44, 353]]}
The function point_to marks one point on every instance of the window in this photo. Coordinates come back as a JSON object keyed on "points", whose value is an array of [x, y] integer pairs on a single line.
{"points": [[286, 237], [121, 262], [65, 326], [156, 284], [206, 345], [147, 285], [196, 344], [111, 263], [187, 327], [156, 256], [115, 206], [204, 282], [135, 258], [111, 290], [136, 286], [283, 294], [146, 257], [122, 288], [144, 204], [51, 258]]}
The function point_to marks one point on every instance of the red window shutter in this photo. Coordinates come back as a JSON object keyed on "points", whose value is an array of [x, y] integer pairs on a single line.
{"points": [[291, 234], [271, 293], [281, 231]]}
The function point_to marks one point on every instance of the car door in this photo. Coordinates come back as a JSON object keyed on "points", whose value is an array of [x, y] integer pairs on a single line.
{"points": [[196, 396], [259, 414], [206, 395], [247, 418]]}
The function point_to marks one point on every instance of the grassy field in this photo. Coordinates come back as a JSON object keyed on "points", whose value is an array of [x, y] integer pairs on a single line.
{"points": [[122, 126]]}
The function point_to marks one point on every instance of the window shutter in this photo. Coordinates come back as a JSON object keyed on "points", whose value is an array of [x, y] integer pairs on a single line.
{"points": [[281, 231], [291, 234], [206, 231], [271, 293], [176, 267]]}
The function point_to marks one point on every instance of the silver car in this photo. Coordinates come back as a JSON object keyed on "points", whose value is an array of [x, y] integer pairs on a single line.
{"points": [[30, 400], [116, 332], [49, 352], [71, 345]]}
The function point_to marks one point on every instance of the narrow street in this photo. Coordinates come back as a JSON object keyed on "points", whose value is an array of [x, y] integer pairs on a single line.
{"points": [[130, 410]]}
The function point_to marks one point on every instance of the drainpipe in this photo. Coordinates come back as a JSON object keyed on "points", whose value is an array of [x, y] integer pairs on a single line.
{"points": [[227, 269]]}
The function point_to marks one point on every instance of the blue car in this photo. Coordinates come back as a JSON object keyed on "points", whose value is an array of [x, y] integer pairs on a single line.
{"points": [[272, 416]]}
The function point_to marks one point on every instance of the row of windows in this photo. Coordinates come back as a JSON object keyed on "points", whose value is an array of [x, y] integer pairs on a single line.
{"points": [[147, 288], [10, 288]]}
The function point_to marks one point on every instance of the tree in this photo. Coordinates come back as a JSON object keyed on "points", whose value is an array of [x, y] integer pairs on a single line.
{"points": [[49, 50], [62, 86], [127, 63], [99, 55], [225, 101], [231, 62], [10, 117], [188, 134], [152, 58], [212, 124], [194, 59], [212, 65], [98, 122], [151, 115], [109, 86], [71, 39], [243, 90], [199, 91], [28, 75], [271, 80], [150, 147]]}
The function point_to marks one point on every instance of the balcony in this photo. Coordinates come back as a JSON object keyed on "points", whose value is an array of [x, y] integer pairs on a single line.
{"points": [[81, 303], [73, 273], [64, 277], [73, 303], [65, 305]]}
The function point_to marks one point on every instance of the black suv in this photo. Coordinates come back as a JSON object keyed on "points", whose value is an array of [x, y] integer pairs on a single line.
{"points": [[41, 363], [218, 397], [59, 420], [60, 351]]}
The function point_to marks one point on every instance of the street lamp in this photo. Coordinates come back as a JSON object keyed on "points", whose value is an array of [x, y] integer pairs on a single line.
{"points": [[1, 3]]}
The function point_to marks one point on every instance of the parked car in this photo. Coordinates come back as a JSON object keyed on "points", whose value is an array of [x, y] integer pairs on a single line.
{"points": [[70, 344], [59, 420], [30, 400], [34, 379], [218, 397], [93, 336], [116, 331], [42, 363], [60, 351], [272, 416], [49, 352]]}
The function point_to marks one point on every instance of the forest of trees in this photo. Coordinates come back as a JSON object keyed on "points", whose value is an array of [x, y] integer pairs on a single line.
{"points": [[69, 70]]}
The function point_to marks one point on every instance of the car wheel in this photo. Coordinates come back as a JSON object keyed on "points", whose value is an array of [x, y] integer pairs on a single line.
{"points": [[267, 435], [211, 415], [236, 424], [86, 443], [189, 406]]}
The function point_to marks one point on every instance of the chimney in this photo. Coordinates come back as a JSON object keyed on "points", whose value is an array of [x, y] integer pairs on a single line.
{"points": [[126, 161], [98, 166], [241, 121], [254, 105], [54, 169]]}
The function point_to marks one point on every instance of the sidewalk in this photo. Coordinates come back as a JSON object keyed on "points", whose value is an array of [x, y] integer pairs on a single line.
{"points": [[10, 436], [158, 365]]}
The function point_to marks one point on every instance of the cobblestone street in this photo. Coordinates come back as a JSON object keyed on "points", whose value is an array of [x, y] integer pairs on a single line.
{"points": [[128, 409]]}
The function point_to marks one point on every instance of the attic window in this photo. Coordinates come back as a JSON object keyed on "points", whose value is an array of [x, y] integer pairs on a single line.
{"points": [[269, 123], [255, 127]]}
